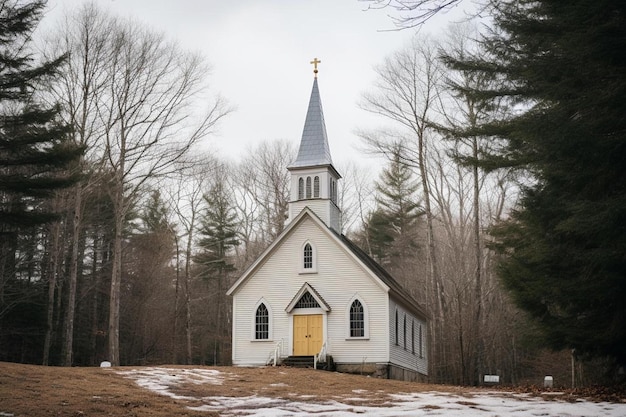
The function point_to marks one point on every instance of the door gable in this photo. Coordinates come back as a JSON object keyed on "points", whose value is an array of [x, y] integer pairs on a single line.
{"points": [[313, 294]]}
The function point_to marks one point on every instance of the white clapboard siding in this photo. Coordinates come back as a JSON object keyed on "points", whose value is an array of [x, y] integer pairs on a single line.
{"points": [[339, 278], [410, 351]]}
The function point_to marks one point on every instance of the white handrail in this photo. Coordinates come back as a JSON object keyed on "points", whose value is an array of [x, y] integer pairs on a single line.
{"points": [[320, 357], [275, 355]]}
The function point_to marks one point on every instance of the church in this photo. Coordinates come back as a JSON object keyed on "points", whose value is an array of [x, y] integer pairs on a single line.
{"points": [[314, 295]]}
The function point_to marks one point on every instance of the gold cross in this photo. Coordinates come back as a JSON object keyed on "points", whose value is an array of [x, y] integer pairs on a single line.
{"points": [[315, 62]]}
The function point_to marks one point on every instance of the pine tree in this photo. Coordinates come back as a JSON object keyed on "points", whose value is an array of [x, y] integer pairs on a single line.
{"points": [[392, 226], [219, 236], [561, 66], [219, 232], [35, 158], [34, 150]]}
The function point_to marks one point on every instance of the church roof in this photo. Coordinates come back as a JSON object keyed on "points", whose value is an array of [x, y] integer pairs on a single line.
{"points": [[383, 275], [370, 264], [314, 149]]}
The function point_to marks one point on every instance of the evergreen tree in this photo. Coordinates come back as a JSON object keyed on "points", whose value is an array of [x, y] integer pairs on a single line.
{"points": [[34, 151], [392, 226], [561, 66], [219, 232], [35, 160], [219, 235]]}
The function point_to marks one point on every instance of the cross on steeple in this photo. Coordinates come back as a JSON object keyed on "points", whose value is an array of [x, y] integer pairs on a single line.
{"points": [[315, 62]]}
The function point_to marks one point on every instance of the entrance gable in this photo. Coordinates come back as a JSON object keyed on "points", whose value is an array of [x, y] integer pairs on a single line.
{"points": [[313, 296]]}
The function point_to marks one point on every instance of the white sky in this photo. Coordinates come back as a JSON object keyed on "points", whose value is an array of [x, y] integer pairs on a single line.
{"points": [[260, 51]]}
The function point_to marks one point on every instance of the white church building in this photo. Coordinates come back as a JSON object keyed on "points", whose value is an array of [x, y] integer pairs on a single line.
{"points": [[313, 294]]}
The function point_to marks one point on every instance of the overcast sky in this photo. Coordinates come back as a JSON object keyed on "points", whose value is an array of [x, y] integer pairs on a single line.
{"points": [[260, 51]]}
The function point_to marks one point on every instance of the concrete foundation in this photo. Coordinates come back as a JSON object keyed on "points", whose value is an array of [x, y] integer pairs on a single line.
{"points": [[381, 370]]}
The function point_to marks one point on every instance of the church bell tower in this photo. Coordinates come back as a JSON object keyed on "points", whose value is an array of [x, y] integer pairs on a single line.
{"points": [[313, 177]]}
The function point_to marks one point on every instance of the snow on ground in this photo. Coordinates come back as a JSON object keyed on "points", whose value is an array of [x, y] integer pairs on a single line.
{"points": [[481, 404]]}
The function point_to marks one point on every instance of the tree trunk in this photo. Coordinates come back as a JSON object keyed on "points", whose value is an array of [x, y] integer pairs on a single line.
{"points": [[55, 230], [176, 303], [478, 269], [116, 275], [68, 330], [187, 290]]}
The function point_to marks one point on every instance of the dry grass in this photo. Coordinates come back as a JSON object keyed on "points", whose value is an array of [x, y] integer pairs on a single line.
{"points": [[29, 390]]}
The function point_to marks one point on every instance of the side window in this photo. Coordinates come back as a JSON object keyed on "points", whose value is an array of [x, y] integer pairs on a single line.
{"points": [[301, 188], [357, 319], [262, 323], [419, 339], [397, 327], [404, 331], [413, 336], [316, 187], [308, 187], [308, 256]]}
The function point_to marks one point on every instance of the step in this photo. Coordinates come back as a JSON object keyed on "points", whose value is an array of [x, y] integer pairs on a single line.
{"points": [[299, 361]]}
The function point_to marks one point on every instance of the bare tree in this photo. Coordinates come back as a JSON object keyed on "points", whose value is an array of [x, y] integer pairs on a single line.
{"points": [[263, 173], [356, 196], [84, 35], [186, 199], [406, 93], [151, 119], [414, 13]]}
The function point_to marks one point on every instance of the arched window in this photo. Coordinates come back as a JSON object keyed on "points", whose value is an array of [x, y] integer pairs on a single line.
{"points": [[307, 301], [262, 323], [404, 331], [419, 339], [316, 187], [301, 188], [308, 187], [397, 327], [357, 319], [308, 256]]}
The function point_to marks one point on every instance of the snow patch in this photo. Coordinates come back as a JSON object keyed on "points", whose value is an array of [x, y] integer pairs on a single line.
{"points": [[477, 404]]}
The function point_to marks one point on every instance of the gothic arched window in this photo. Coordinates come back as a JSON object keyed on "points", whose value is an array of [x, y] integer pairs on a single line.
{"points": [[308, 187], [357, 319], [404, 331], [396, 328], [316, 187], [262, 323], [308, 256], [301, 188]]}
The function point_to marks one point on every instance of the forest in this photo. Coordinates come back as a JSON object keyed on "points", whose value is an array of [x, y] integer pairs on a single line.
{"points": [[501, 205]]}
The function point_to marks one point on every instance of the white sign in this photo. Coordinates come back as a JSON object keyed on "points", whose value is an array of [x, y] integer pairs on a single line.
{"points": [[492, 378]]}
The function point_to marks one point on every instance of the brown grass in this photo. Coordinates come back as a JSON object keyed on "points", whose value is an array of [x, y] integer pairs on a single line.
{"points": [[29, 390]]}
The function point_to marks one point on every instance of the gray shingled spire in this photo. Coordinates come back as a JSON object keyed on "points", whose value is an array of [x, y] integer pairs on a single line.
{"points": [[314, 150]]}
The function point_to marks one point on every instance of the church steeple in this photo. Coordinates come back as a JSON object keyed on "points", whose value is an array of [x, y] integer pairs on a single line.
{"points": [[313, 176], [314, 149]]}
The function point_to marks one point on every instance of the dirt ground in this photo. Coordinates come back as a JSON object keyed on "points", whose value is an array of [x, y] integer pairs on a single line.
{"points": [[29, 390]]}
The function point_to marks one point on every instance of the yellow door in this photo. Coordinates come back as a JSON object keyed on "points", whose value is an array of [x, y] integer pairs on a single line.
{"points": [[308, 335]]}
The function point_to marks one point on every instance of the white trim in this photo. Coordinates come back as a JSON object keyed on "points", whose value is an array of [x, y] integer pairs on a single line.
{"points": [[366, 326], [305, 213], [270, 318], [307, 288]]}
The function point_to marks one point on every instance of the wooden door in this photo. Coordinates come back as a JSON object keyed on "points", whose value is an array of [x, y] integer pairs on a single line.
{"points": [[308, 334]]}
